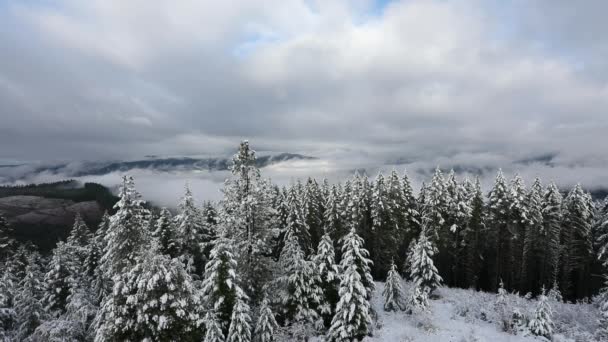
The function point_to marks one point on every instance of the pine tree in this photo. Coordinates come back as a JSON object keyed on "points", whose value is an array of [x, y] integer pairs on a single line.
{"points": [[248, 216], [354, 252], [301, 296], [240, 322], [386, 234], [8, 289], [63, 267], [453, 254], [167, 234], [213, 328], [393, 297], [209, 229], [541, 324], [519, 222], [7, 242], [295, 222], [576, 244], [352, 320], [189, 223], [98, 280], [334, 220], [536, 271], [552, 220], [220, 288], [410, 228], [154, 301], [421, 266], [28, 300], [126, 233], [266, 325], [80, 235], [474, 239], [499, 249], [313, 209], [328, 272]]}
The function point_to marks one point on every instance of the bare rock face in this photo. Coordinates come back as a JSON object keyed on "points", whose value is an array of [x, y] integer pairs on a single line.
{"points": [[34, 210]]}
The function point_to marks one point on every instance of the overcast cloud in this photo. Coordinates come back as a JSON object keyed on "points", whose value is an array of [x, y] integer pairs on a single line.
{"points": [[481, 83]]}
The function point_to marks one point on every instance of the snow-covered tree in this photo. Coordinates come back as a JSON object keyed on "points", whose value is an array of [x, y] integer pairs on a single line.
{"points": [[296, 225], [167, 234], [126, 233], [7, 242], [334, 220], [474, 238], [240, 322], [542, 324], [325, 262], [80, 235], [220, 288], [385, 226], [8, 289], [499, 251], [418, 300], [301, 296], [536, 268], [555, 294], [247, 215], [62, 268], [353, 317], [313, 210], [29, 310], [153, 301], [421, 268], [189, 223], [99, 281], [213, 328], [393, 297], [266, 325]]}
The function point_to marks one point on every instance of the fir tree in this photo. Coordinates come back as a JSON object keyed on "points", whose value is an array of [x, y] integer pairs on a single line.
{"points": [[167, 235], [474, 239], [352, 320], [126, 232], [189, 223], [295, 222], [418, 300], [541, 324], [393, 297], [329, 276], [266, 325], [240, 322], [499, 249], [536, 270], [154, 301], [220, 288], [552, 220], [334, 221], [313, 210], [28, 300], [354, 252], [386, 233], [63, 267], [421, 266], [213, 328], [248, 216], [7, 242], [301, 296]]}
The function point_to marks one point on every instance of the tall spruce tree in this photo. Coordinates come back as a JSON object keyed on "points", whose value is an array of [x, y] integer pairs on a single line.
{"points": [[536, 270], [353, 318], [421, 267], [499, 249], [189, 223], [474, 238], [29, 309], [248, 216], [386, 234], [325, 262], [393, 296], [167, 234], [7, 241]]}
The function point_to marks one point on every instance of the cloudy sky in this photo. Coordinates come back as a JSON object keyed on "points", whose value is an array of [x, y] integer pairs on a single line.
{"points": [[482, 83]]}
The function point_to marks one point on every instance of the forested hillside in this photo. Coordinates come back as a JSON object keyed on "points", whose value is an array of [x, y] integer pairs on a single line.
{"points": [[273, 263]]}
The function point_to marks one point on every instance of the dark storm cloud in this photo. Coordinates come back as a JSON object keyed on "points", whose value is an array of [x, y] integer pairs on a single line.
{"points": [[449, 82]]}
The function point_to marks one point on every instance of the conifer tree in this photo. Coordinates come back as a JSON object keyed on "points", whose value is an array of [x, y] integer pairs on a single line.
{"points": [[541, 324], [474, 239], [62, 268], [154, 301], [7, 242], [99, 282], [213, 328], [301, 296], [410, 216], [313, 210], [28, 300], [386, 233], [499, 249], [8, 289], [189, 223], [167, 234], [266, 325], [295, 222], [552, 220], [352, 320], [421, 266], [418, 300], [248, 216], [126, 232], [393, 297], [240, 322], [520, 220], [328, 272], [576, 244], [536, 270], [333, 216], [220, 288]]}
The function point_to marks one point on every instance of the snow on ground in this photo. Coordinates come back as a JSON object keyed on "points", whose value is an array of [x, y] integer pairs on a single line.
{"points": [[469, 316]]}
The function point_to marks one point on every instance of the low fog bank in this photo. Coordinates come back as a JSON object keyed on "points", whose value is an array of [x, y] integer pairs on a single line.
{"points": [[164, 188]]}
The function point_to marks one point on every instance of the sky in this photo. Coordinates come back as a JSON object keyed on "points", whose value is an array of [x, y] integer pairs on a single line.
{"points": [[475, 83]]}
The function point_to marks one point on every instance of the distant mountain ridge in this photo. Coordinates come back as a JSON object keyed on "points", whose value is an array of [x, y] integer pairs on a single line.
{"points": [[11, 173]]}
